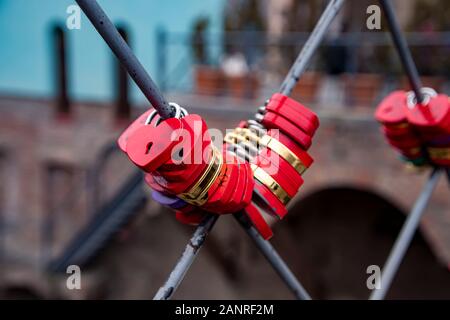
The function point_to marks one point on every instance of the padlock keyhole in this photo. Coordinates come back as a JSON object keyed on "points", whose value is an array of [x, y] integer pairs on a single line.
{"points": [[149, 146]]}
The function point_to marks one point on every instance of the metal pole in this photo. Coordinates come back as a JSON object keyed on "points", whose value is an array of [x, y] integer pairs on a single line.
{"points": [[404, 239], [310, 46], [402, 49], [274, 259], [123, 52], [186, 260]]}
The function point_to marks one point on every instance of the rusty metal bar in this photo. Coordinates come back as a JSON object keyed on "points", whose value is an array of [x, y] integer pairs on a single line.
{"points": [[405, 237]]}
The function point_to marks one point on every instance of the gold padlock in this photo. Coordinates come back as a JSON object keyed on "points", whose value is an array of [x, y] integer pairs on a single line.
{"points": [[198, 193]]}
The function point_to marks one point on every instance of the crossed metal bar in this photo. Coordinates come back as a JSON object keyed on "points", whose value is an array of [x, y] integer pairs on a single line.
{"points": [[297, 69], [120, 48], [411, 223], [402, 48], [277, 263], [405, 237], [111, 36]]}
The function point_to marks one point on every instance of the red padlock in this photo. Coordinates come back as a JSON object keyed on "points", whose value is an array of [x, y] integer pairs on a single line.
{"points": [[257, 219], [434, 116], [292, 111], [136, 124], [194, 217], [399, 133], [304, 157], [278, 101], [268, 200], [236, 200], [273, 121], [403, 144], [280, 170], [439, 155], [194, 144], [185, 172], [149, 147], [150, 181], [250, 185], [226, 188], [391, 112]]}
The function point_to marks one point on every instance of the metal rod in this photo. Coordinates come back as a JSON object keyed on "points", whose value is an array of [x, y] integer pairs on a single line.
{"points": [[404, 239], [123, 52], [402, 49], [274, 259], [187, 258], [310, 46]]}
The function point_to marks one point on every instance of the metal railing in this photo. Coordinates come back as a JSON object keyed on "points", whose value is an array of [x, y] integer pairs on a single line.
{"points": [[177, 73]]}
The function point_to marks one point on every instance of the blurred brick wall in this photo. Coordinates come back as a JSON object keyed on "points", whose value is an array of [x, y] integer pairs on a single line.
{"points": [[348, 151]]}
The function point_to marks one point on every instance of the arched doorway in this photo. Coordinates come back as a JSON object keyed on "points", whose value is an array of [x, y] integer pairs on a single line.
{"points": [[333, 235]]}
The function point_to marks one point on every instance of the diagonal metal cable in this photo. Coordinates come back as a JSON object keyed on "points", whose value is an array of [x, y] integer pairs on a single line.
{"points": [[310, 46], [120, 48], [411, 224], [187, 258], [405, 237], [402, 49]]}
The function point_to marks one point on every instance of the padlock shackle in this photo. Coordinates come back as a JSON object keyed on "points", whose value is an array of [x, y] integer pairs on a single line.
{"points": [[126, 57]]}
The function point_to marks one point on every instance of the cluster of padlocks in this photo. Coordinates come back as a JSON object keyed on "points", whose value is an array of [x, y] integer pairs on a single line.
{"points": [[420, 132], [258, 171]]}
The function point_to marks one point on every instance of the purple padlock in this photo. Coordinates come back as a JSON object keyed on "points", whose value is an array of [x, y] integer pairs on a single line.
{"points": [[440, 141], [168, 201]]}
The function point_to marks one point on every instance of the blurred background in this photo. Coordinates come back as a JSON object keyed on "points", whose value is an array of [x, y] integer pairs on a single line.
{"points": [[68, 196]]}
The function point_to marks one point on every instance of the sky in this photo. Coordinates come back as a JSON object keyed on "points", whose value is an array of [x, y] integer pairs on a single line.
{"points": [[25, 47]]}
